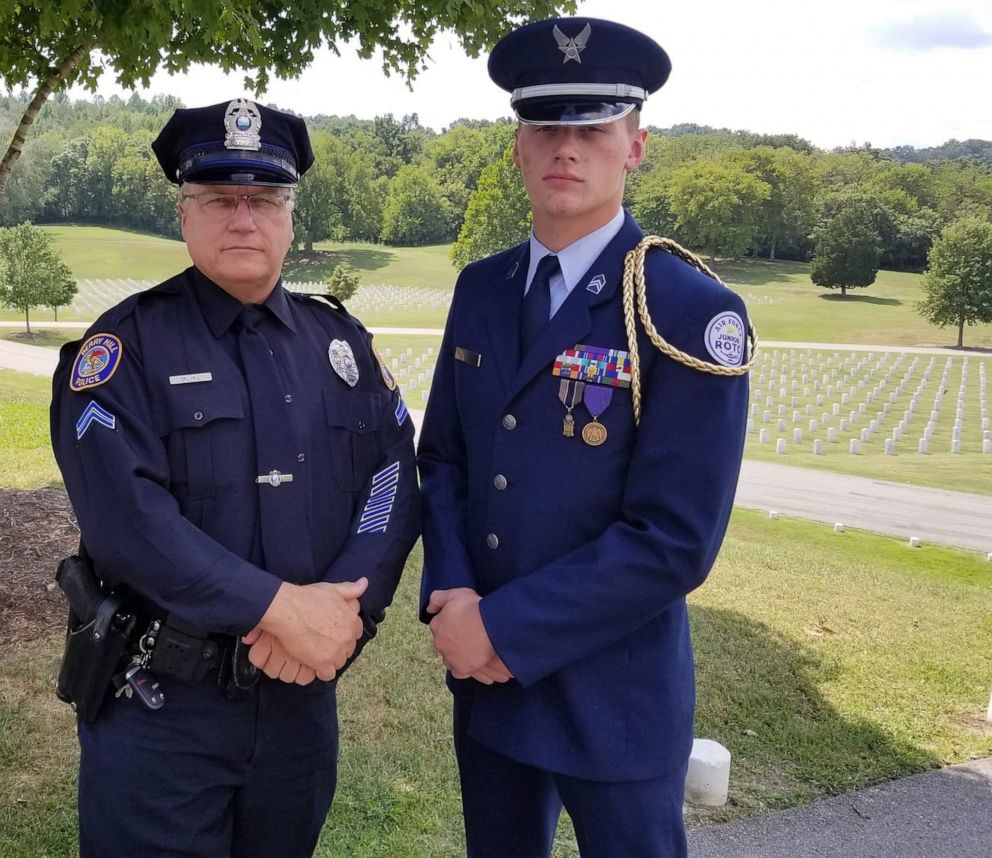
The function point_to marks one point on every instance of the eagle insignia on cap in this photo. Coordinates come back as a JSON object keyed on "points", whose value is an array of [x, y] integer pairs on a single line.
{"points": [[243, 122], [571, 48]]}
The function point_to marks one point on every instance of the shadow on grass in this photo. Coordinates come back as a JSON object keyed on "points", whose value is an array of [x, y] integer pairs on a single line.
{"points": [[318, 264], [861, 299], [759, 272], [759, 695]]}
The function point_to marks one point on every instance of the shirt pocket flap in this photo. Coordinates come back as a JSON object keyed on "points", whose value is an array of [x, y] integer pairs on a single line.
{"points": [[191, 409], [356, 411]]}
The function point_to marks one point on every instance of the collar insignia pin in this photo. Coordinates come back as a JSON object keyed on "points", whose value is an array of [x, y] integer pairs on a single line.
{"points": [[596, 284]]}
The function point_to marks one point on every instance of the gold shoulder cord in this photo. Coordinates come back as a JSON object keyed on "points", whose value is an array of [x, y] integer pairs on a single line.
{"points": [[635, 288]]}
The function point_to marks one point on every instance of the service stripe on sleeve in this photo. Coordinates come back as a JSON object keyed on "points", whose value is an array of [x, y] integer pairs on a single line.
{"points": [[379, 506]]}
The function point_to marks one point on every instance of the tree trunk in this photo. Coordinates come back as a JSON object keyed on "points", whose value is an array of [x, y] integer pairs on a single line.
{"points": [[27, 319], [56, 309], [961, 333], [843, 291], [713, 255], [45, 89], [771, 253]]}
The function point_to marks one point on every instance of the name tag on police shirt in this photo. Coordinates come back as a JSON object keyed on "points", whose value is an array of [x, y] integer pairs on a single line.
{"points": [[191, 378]]}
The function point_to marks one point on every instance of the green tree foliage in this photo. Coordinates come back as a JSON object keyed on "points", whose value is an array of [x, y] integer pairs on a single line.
{"points": [[958, 284], [320, 196], [416, 211], [717, 205], [31, 272], [847, 247], [648, 201], [498, 214], [458, 157], [53, 44], [342, 282]]}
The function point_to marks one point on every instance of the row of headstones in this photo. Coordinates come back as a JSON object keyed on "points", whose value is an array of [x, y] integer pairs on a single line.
{"points": [[96, 295], [897, 433], [412, 372], [893, 396]]}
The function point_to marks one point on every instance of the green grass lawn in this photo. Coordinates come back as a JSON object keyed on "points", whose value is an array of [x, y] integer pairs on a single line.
{"points": [[785, 305], [826, 662], [26, 457]]}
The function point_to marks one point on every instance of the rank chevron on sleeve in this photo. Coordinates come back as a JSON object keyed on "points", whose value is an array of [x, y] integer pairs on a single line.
{"points": [[94, 413]]}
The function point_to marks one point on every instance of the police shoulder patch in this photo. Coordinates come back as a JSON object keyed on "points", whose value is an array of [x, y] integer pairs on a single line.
{"points": [[387, 376], [725, 338], [96, 362]]}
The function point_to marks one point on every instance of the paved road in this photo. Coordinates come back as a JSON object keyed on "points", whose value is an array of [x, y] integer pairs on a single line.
{"points": [[943, 517], [941, 814], [933, 515]]}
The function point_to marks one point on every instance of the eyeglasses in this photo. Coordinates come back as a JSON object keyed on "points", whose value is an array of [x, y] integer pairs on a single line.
{"points": [[261, 205]]}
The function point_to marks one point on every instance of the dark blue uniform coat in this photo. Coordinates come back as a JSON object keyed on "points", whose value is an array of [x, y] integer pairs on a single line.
{"points": [[584, 559]]}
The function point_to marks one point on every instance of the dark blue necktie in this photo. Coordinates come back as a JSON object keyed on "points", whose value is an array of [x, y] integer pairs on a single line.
{"points": [[279, 477], [536, 308]]}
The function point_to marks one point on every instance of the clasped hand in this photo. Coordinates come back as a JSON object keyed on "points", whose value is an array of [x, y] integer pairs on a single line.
{"points": [[308, 632], [461, 639]]}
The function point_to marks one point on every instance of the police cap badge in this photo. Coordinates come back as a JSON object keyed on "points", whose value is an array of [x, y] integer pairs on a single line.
{"points": [[577, 71], [234, 143]]}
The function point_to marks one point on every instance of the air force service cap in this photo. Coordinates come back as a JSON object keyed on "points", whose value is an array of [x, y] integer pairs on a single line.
{"points": [[234, 143], [577, 71]]}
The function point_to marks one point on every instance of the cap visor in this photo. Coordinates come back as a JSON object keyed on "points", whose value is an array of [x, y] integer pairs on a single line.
{"points": [[571, 113]]}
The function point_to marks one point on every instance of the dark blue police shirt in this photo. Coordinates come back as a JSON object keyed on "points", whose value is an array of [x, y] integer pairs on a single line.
{"points": [[158, 456]]}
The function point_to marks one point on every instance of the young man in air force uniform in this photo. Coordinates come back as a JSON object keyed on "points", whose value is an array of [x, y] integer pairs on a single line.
{"points": [[561, 535], [242, 469]]}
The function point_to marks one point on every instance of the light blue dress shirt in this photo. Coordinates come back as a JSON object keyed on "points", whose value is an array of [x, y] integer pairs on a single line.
{"points": [[574, 259]]}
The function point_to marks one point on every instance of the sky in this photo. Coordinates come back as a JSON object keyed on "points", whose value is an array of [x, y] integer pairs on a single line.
{"points": [[837, 72]]}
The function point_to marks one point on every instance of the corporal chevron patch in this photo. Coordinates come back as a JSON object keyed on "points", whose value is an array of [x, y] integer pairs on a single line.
{"points": [[94, 413]]}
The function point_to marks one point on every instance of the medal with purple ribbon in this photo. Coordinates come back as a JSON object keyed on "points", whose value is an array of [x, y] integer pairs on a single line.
{"points": [[597, 400]]}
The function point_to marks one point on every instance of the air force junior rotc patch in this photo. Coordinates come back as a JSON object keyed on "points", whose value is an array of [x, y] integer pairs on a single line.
{"points": [[96, 362], [725, 339], [343, 361]]}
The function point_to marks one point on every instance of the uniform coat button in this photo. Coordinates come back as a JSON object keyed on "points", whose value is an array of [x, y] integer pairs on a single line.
{"points": [[492, 540], [500, 482], [509, 421]]}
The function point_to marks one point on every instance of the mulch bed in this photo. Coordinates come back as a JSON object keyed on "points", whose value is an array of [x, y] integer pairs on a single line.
{"points": [[37, 529]]}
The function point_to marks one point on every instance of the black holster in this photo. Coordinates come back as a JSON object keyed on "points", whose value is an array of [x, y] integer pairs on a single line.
{"points": [[96, 641]]}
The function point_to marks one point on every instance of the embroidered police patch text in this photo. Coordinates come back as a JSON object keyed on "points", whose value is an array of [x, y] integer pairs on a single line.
{"points": [[94, 413], [96, 362], [725, 339], [379, 506]]}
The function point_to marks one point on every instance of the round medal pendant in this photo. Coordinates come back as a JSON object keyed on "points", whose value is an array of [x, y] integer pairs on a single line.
{"points": [[594, 433]]}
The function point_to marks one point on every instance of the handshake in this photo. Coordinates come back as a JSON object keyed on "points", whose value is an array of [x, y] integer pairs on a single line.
{"points": [[308, 632]]}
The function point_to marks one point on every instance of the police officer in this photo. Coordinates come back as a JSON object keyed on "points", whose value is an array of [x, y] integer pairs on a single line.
{"points": [[561, 533], [241, 466]]}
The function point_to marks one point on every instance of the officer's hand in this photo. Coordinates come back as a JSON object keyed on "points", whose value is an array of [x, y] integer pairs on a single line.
{"points": [[461, 638], [270, 656], [317, 624]]}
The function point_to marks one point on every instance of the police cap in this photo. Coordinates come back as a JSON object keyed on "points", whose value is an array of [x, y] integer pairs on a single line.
{"points": [[577, 71], [234, 143]]}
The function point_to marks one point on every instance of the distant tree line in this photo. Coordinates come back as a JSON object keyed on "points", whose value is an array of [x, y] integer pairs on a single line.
{"points": [[390, 180]]}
